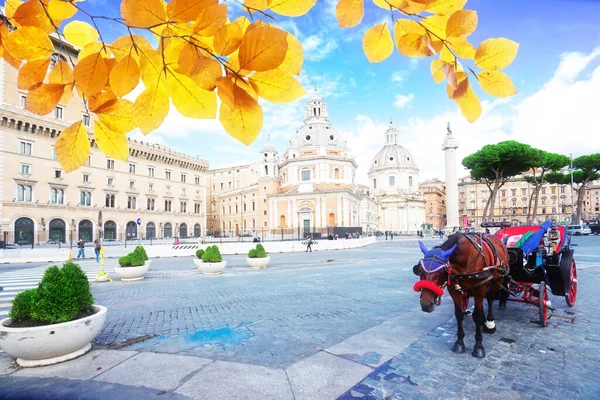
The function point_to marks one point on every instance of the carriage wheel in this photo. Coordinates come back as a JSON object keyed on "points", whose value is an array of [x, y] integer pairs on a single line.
{"points": [[465, 302], [543, 304], [572, 295]]}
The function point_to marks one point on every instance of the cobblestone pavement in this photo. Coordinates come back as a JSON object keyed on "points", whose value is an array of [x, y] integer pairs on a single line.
{"points": [[351, 305]]}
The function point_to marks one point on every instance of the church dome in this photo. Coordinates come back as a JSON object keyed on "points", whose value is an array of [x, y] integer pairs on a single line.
{"points": [[392, 155], [268, 148], [317, 130]]}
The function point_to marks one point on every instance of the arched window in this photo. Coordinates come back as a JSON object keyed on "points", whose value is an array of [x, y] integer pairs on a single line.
{"points": [[168, 230], [131, 230], [374, 183], [197, 230], [331, 219], [86, 230], [85, 199], [57, 230], [24, 231], [410, 181], [110, 230], [282, 223], [336, 173], [56, 196], [266, 170], [150, 230], [315, 111], [392, 180], [24, 193], [110, 200], [183, 230]]}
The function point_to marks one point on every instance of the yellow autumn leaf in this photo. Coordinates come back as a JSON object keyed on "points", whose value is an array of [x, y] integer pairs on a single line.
{"points": [[80, 33], [73, 147], [256, 4], [413, 45], [32, 74], [461, 23], [436, 24], [187, 10], [377, 43], [44, 99], [469, 104], [151, 67], [496, 53], [101, 100], [225, 91], [10, 6], [291, 8], [60, 10], [67, 94], [143, 13], [446, 55], [445, 7], [203, 70], [277, 86], [242, 22], [228, 39], [294, 57], [437, 70], [263, 49], [113, 144], [151, 107], [133, 45], [94, 48], [32, 14], [395, 4], [61, 73], [90, 74], [211, 19], [462, 47], [405, 26], [349, 13], [245, 120], [458, 82], [118, 115], [28, 43], [125, 76], [496, 83], [189, 99]]}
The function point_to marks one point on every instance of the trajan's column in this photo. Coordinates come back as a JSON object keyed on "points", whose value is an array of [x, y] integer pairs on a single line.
{"points": [[449, 147]]}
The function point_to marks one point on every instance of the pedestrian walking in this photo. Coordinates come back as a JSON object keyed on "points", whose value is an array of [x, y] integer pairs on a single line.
{"points": [[97, 248], [309, 243], [81, 247], [391, 235], [386, 235]]}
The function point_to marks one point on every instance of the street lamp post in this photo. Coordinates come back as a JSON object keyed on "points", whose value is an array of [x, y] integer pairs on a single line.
{"points": [[573, 216]]}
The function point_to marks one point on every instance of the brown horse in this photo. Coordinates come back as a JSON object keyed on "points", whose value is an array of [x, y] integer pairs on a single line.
{"points": [[471, 264]]}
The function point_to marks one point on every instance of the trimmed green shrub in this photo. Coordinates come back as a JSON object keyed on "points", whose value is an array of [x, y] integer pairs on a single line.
{"points": [[125, 261], [137, 259], [252, 253], [22, 305], [77, 285], [199, 253], [52, 302], [212, 254], [142, 252], [260, 252]]}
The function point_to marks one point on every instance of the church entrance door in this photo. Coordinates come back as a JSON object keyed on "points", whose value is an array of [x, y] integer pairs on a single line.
{"points": [[306, 227]]}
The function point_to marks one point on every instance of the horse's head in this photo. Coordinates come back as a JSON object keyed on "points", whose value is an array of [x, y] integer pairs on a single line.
{"points": [[433, 271]]}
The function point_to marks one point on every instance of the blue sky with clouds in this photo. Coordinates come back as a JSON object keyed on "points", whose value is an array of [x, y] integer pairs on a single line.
{"points": [[556, 73]]}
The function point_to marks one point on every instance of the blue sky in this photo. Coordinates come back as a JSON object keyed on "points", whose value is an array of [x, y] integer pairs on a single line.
{"points": [[556, 74]]}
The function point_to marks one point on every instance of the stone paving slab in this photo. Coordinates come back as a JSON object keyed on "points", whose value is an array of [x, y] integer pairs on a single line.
{"points": [[234, 381], [87, 366], [324, 376], [154, 371]]}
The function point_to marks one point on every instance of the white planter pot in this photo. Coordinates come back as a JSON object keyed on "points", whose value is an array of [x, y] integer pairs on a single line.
{"points": [[211, 268], [258, 263], [198, 262], [51, 344], [133, 273]]}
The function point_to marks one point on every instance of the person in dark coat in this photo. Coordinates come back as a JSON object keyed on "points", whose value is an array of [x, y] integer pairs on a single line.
{"points": [[81, 247], [309, 242]]}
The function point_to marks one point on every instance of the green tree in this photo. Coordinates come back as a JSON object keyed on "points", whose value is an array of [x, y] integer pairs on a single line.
{"points": [[543, 162], [495, 164], [585, 170]]}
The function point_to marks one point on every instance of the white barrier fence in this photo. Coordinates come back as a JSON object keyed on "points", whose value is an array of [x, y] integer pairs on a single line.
{"points": [[184, 250]]}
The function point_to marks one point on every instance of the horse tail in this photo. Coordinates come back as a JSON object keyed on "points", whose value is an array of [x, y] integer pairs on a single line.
{"points": [[503, 293]]}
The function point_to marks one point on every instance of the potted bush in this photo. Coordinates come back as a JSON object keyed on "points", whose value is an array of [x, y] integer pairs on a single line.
{"points": [[55, 322], [134, 265], [198, 259], [213, 263], [258, 258]]}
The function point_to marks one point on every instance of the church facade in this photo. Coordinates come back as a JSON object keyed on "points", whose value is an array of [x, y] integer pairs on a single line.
{"points": [[393, 179]]}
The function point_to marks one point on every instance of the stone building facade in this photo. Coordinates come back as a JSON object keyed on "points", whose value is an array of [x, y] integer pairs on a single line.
{"points": [[435, 203], [39, 202]]}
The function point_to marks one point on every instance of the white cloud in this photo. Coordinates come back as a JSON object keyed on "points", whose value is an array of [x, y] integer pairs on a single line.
{"points": [[397, 77], [317, 49], [403, 100]]}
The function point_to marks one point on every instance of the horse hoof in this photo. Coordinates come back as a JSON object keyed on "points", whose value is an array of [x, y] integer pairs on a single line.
{"points": [[458, 348], [478, 352]]}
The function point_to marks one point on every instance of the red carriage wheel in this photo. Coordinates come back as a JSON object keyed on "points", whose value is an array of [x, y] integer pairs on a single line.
{"points": [[465, 302], [572, 295], [543, 304]]}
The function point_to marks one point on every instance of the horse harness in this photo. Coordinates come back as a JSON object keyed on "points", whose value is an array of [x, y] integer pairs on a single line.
{"points": [[495, 263]]}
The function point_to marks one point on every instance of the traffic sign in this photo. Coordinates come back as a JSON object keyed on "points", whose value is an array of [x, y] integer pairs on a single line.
{"points": [[139, 221]]}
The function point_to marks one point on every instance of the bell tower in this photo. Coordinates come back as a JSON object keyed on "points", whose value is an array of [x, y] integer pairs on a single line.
{"points": [[316, 109]]}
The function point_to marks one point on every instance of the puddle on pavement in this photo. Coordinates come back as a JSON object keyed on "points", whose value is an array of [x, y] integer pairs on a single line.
{"points": [[222, 336]]}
